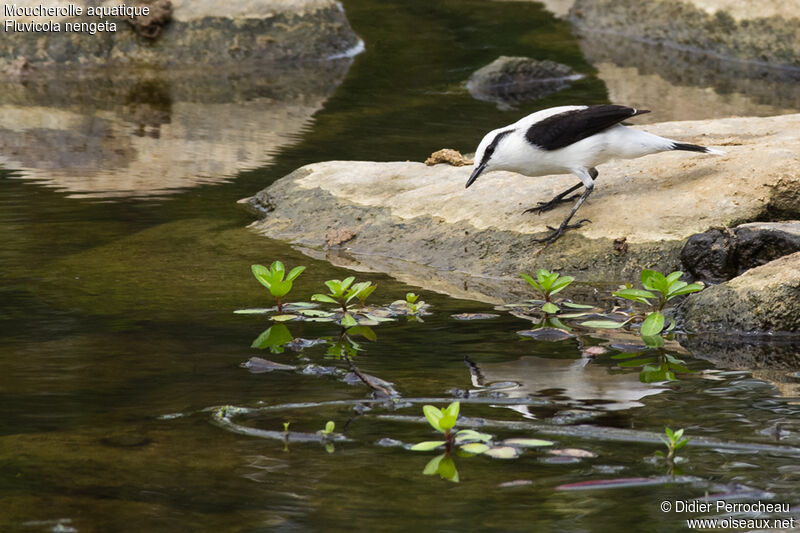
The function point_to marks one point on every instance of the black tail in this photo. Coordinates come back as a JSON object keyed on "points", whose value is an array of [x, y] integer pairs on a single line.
{"points": [[691, 148]]}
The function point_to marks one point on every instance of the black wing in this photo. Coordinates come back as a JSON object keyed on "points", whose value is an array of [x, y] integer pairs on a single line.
{"points": [[570, 127]]}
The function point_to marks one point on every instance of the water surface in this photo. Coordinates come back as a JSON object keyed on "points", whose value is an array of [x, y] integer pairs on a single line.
{"points": [[125, 254]]}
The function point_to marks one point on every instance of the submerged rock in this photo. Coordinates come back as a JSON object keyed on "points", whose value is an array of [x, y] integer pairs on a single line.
{"points": [[763, 299], [419, 224], [511, 80], [720, 254]]}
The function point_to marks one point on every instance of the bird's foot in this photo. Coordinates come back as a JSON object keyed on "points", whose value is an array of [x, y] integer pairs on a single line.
{"points": [[543, 207], [557, 232]]}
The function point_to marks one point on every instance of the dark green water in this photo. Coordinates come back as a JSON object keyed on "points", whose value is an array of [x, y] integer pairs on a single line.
{"points": [[117, 334]]}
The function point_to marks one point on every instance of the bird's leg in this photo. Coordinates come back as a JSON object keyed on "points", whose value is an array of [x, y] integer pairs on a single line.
{"points": [[588, 182], [542, 207]]}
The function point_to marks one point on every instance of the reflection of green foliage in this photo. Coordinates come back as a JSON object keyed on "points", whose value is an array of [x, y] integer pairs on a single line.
{"points": [[444, 466], [275, 338], [276, 280], [343, 346], [342, 292], [660, 366], [547, 284]]}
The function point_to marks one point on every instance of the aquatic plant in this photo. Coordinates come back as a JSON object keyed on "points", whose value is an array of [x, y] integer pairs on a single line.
{"points": [[548, 284], [342, 292], [658, 290], [468, 441], [330, 425], [276, 280], [674, 441]]}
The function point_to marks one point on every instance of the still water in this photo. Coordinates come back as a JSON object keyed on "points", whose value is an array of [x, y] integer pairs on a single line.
{"points": [[125, 254]]}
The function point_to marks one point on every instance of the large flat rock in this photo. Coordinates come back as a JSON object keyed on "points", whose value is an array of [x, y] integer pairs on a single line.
{"points": [[419, 224], [195, 33]]}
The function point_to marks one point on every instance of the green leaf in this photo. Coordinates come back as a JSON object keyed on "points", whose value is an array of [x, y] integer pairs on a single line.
{"points": [[323, 298], [573, 305], [296, 271], [348, 321], [560, 284], [329, 426], [448, 421], [528, 443], [277, 270], [682, 443], [603, 324], [652, 325], [411, 297], [550, 308], [573, 315], [669, 433], [281, 288], [427, 445], [434, 415], [346, 282], [692, 287], [676, 286], [654, 281], [636, 295], [364, 293], [474, 447], [453, 409], [653, 341], [674, 276], [556, 323], [533, 283], [315, 313], [502, 452], [262, 274], [335, 287], [471, 434], [677, 434], [283, 318]]}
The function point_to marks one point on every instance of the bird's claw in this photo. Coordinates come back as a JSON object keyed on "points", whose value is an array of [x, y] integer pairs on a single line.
{"points": [[557, 232], [542, 207]]}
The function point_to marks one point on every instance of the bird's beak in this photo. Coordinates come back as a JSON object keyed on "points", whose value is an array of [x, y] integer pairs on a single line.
{"points": [[475, 174]]}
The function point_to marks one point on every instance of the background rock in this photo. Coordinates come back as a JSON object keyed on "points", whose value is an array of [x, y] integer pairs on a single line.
{"points": [[707, 26], [763, 299], [720, 254], [511, 80], [419, 224], [199, 32]]}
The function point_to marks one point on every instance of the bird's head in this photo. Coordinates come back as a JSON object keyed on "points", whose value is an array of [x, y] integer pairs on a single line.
{"points": [[490, 154]]}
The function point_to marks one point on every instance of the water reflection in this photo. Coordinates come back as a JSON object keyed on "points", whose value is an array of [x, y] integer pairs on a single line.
{"points": [[155, 133]]}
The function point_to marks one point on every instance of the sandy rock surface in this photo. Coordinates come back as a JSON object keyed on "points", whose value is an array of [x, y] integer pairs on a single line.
{"points": [[419, 223]]}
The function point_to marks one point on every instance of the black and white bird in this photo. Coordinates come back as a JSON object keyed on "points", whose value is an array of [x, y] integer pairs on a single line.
{"points": [[569, 139]]}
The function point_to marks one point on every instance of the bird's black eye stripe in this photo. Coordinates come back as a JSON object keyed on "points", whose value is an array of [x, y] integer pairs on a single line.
{"points": [[492, 145]]}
